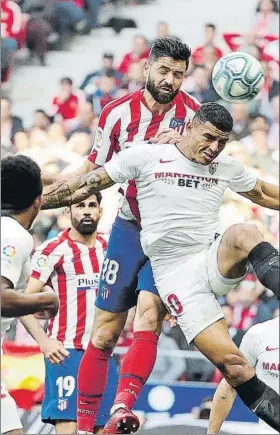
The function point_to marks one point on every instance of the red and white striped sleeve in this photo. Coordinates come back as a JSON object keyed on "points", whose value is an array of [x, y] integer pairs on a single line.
{"points": [[106, 140], [17, 17], [44, 260]]}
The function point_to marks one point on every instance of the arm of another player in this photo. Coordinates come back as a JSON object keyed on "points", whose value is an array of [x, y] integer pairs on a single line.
{"points": [[222, 403], [48, 178], [264, 194], [16, 304]]}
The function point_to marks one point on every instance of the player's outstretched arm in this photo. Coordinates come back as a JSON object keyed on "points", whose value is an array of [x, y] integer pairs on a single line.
{"points": [[264, 194], [16, 304], [221, 406], [76, 189], [48, 178]]}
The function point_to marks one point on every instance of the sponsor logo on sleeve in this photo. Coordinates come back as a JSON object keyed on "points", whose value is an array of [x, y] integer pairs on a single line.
{"points": [[8, 251], [98, 139], [41, 263]]}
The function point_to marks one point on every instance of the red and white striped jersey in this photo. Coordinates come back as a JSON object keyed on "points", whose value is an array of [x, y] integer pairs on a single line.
{"points": [[72, 269], [128, 120]]}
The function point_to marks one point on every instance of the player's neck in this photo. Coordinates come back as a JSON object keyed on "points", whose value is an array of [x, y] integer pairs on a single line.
{"points": [[152, 105], [184, 148], [22, 218], [88, 240]]}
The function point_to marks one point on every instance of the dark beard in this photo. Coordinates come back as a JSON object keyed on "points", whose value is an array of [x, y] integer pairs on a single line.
{"points": [[86, 229], [158, 95]]}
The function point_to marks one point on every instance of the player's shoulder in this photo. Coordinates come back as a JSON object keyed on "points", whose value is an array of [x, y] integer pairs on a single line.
{"points": [[257, 331], [53, 245], [189, 100], [16, 234], [229, 165], [116, 107]]}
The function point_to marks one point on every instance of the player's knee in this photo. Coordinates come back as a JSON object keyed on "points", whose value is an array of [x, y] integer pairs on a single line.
{"points": [[246, 236], [105, 337], [235, 368]]}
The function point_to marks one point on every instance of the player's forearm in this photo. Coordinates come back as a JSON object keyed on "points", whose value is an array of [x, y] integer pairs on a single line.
{"points": [[33, 326], [221, 406], [271, 196], [76, 189], [16, 304]]}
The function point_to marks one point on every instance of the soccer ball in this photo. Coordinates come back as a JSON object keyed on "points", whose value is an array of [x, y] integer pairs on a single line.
{"points": [[238, 77]]}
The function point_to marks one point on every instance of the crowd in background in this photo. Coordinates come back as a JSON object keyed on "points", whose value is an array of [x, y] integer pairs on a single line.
{"points": [[63, 135]]}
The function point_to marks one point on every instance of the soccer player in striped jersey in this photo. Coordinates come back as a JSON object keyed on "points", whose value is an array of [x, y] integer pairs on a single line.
{"points": [[71, 264], [142, 115]]}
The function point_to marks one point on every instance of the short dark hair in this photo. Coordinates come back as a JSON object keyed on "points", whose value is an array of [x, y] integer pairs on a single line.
{"points": [[98, 196], [66, 80], [170, 46], [216, 114], [211, 25], [21, 183]]}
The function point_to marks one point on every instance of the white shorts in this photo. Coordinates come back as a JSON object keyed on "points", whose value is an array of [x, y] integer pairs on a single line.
{"points": [[9, 415], [188, 287]]}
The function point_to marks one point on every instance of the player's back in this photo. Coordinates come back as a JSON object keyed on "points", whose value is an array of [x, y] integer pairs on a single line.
{"points": [[16, 248], [73, 270]]}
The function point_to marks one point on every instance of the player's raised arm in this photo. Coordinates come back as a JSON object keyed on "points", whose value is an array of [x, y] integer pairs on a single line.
{"points": [[265, 194], [76, 189], [222, 403]]}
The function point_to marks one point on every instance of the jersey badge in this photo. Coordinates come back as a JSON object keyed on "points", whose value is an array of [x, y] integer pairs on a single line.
{"points": [[213, 167], [62, 404], [9, 251], [98, 139], [177, 124], [41, 262]]}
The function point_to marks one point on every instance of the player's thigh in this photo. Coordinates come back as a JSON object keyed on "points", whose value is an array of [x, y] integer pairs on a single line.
{"points": [[217, 345], [124, 259], [10, 421], [224, 273], [185, 290], [109, 394], [60, 399], [65, 427]]}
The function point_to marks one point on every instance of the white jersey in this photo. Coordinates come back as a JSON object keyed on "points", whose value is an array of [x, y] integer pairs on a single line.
{"points": [[16, 248], [260, 345], [72, 269], [179, 200]]}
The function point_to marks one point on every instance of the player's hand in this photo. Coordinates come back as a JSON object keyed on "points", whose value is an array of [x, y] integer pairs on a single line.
{"points": [[171, 319], [167, 135], [54, 351]]}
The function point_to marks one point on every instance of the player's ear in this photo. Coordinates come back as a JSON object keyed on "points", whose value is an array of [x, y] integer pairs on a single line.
{"points": [[67, 212], [146, 70]]}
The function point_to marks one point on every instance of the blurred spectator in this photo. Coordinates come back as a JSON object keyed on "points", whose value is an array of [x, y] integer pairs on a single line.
{"points": [[66, 103], [105, 92], [200, 85], [273, 139], [235, 333], [40, 23], [258, 145], [198, 55], [167, 368], [70, 15], [41, 120], [85, 119], [162, 29], [140, 53], [267, 19], [11, 20], [92, 8], [10, 125], [240, 115], [107, 68], [134, 79], [248, 310]]}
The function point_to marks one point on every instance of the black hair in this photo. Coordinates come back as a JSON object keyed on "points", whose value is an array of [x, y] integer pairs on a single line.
{"points": [[98, 196], [211, 25], [216, 114], [66, 80], [170, 46], [20, 182]]}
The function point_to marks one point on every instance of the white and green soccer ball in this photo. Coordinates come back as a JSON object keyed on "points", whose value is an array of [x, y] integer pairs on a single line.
{"points": [[238, 77]]}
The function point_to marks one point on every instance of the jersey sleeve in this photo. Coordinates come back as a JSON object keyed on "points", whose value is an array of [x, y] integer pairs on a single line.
{"points": [[106, 139], [14, 253], [248, 346], [128, 164], [42, 266], [242, 180]]}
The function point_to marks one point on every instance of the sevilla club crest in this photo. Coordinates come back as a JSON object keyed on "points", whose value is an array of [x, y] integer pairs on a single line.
{"points": [[213, 167]]}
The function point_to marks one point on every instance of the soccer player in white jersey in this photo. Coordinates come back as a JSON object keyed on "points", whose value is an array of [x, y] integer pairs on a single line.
{"points": [[160, 106], [71, 264], [260, 345], [180, 190], [21, 191]]}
